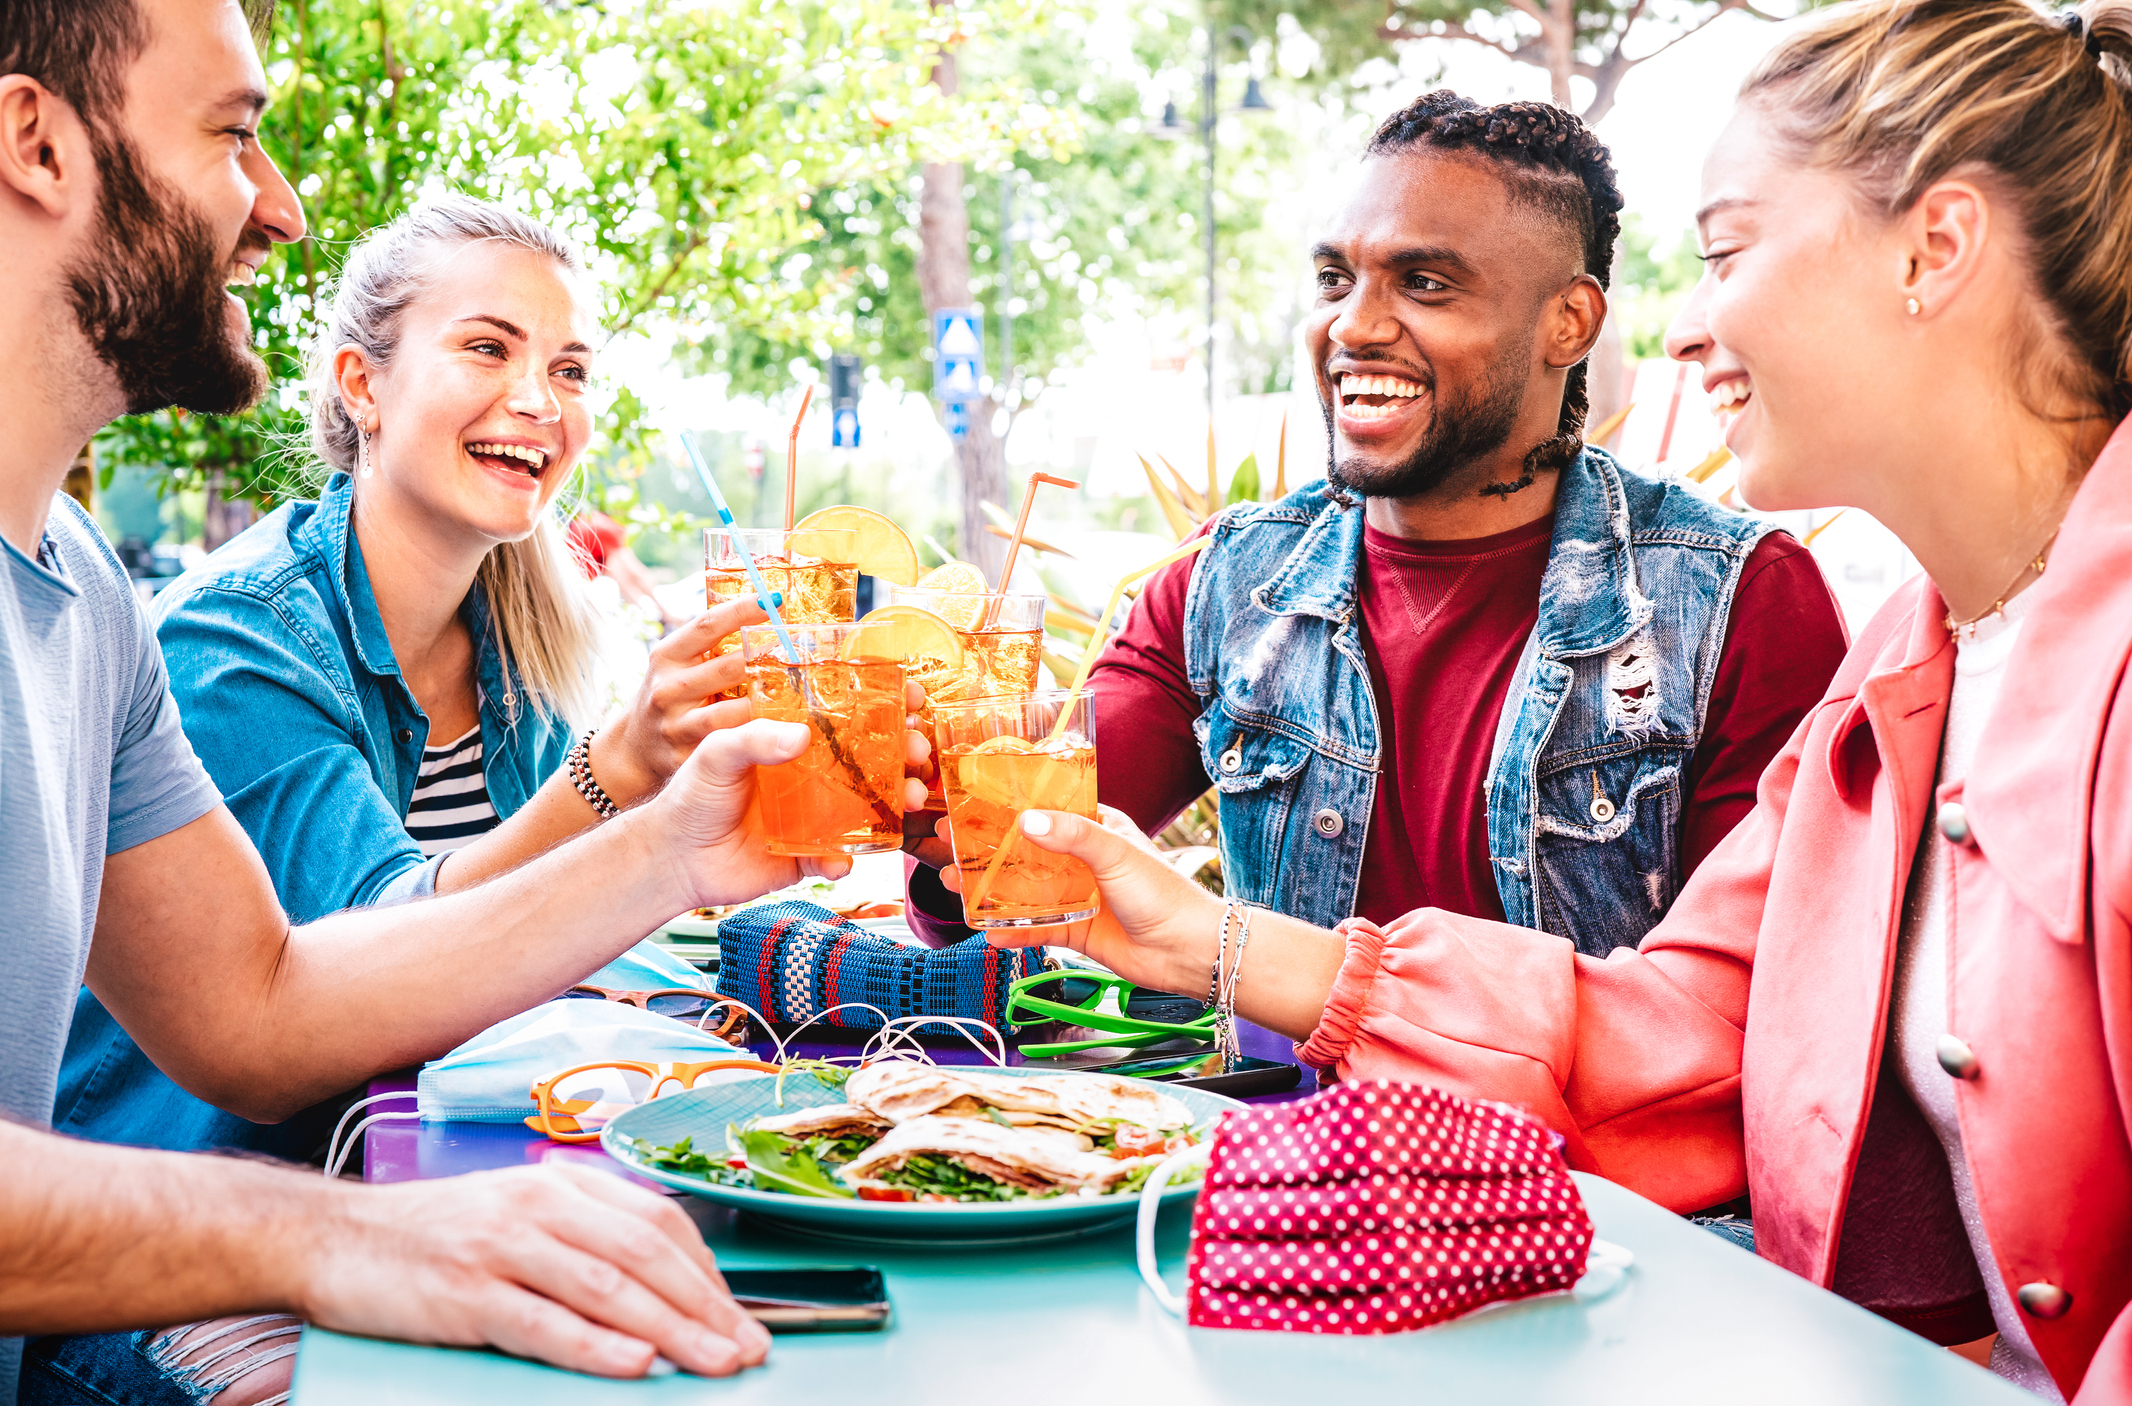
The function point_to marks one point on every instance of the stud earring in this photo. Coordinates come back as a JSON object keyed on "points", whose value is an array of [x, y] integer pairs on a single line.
{"points": [[362, 452], [1914, 307]]}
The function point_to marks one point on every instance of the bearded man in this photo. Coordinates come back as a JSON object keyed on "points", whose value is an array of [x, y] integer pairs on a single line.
{"points": [[132, 189], [1481, 665]]}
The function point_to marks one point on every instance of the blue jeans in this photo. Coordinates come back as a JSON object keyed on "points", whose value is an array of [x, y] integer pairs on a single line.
{"points": [[183, 1366], [101, 1369]]}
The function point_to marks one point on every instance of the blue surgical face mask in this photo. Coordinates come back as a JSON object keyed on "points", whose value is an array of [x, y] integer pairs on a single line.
{"points": [[487, 1079], [647, 967]]}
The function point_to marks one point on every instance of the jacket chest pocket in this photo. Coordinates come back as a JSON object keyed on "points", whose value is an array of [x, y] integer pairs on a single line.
{"points": [[1606, 855], [1243, 758]]}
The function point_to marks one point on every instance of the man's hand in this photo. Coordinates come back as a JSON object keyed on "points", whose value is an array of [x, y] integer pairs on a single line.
{"points": [[677, 705], [1154, 926], [564, 1264], [708, 819]]}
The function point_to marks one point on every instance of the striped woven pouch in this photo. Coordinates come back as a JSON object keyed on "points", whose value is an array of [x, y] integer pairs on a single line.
{"points": [[792, 961]]}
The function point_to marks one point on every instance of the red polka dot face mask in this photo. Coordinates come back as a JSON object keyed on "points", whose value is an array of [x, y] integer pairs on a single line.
{"points": [[1377, 1208]]}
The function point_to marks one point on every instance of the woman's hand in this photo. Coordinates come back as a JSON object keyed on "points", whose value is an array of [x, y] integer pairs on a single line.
{"points": [[677, 705], [1155, 927]]}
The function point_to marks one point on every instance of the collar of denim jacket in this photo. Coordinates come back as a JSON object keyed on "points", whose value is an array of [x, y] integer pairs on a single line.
{"points": [[1589, 597], [330, 534]]}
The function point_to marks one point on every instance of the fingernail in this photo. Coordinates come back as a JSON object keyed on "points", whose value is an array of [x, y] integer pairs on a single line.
{"points": [[722, 1354], [1035, 822]]}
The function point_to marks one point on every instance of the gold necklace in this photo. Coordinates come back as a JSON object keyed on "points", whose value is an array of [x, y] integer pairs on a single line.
{"points": [[1967, 629]]}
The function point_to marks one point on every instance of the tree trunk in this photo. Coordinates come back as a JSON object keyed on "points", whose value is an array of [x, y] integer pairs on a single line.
{"points": [[944, 282], [224, 517], [1559, 32]]}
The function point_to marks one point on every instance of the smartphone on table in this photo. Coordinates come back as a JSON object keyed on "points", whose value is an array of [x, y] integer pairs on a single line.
{"points": [[1202, 1069], [813, 1299]]}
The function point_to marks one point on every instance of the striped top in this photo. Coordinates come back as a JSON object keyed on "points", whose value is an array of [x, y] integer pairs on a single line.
{"points": [[451, 806]]}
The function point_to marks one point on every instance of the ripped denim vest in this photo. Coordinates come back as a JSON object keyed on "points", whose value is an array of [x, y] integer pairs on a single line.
{"points": [[1584, 792]]}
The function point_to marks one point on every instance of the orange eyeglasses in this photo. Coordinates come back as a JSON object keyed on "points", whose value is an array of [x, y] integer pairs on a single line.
{"points": [[577, 1103]]}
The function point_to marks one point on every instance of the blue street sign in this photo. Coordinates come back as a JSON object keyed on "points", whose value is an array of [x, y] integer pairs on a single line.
{"points": [[957, 420], [958, 354], [844, 428]]}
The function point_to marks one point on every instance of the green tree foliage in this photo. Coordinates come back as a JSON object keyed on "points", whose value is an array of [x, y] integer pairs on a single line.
{"points": [[1111, 215], [1651, 284], [679, 144]]}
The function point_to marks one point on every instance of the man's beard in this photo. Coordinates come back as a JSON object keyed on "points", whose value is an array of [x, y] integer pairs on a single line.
{"points": [[1461, 430], [149, 296]]}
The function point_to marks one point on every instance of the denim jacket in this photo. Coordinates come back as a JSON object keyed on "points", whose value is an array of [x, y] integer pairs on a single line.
{"points": [[1604, 714], [290, 694]]}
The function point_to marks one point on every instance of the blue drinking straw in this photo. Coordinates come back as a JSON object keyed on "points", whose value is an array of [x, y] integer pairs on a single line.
{"points": [[763, 595]]}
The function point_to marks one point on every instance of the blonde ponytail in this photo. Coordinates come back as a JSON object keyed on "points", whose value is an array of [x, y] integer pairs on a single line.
{"points": [[543, 621], [1903, 93]]}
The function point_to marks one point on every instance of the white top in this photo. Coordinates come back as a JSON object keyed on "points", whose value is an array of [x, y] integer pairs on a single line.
{"points": [[451, 805], [1920, 1013]]}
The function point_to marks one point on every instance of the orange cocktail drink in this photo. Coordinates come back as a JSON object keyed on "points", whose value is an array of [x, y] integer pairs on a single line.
{"points": [[999, 757], [844, 794], [1002, 652], [814, 569]]}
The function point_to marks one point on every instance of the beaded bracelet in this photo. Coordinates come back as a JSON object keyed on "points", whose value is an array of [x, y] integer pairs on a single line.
{"points": [[579, 763], [1221, 996]]}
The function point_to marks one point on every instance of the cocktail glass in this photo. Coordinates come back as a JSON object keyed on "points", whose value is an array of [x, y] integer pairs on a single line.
{"points": [[844, 794], [815, 570], [1003, 648], [1002, 756]]}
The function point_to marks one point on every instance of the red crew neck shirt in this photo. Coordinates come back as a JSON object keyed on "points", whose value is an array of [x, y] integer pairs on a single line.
{"points": [[1443, 624]]}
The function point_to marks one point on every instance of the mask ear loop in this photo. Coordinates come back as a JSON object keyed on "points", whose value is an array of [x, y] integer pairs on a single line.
{"points": [[1158, 1181], [333, 1144], [902, 1033]]}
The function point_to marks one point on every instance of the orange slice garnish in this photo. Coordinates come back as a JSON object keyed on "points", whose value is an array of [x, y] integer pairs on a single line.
{"points": [[885, 549]]}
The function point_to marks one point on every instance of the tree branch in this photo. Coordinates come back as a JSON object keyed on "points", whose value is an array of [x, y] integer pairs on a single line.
{"points": [[1451, 29], [1606, 76]]}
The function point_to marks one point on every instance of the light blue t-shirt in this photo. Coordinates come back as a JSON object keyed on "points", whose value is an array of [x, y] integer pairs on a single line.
{"points": [[92, 762]]}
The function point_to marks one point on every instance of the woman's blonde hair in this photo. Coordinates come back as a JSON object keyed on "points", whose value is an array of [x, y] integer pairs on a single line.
{"points": [[545, 628], [1903, 93]]}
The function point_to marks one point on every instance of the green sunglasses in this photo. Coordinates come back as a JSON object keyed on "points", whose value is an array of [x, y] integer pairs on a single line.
{"points": [[1129, 1016]]}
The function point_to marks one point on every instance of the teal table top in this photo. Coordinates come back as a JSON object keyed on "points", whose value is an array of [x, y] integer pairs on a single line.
{"points": [[1696, 1320]]}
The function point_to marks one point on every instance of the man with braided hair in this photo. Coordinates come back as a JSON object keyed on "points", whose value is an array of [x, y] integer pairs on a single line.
{"points": [[1481, 666]]}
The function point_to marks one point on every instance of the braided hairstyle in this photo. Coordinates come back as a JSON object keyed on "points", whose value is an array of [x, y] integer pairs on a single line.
{"points": [[1551, 160]]}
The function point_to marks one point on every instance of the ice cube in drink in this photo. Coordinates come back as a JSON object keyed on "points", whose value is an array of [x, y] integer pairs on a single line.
{"points": [[844, 794], [1000, 757]]}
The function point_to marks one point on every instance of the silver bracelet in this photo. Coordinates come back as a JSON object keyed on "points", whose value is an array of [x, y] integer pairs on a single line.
{"points": [[1222, 998], [579, 765]]}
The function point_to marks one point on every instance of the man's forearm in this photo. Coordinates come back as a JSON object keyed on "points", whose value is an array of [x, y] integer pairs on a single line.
{"points": [[373, 989], [101, 1238]]}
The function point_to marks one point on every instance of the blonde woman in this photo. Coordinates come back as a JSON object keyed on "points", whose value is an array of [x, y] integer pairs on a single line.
{"points": [[383, 682], [1895, 1005]]}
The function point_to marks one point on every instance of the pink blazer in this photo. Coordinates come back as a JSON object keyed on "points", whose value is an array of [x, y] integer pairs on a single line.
{"points": [[1738, 1047]]}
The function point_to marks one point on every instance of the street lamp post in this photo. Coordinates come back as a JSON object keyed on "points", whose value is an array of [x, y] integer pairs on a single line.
{"points": [[1209, 114]]}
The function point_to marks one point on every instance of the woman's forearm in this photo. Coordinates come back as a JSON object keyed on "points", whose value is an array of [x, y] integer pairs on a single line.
{"points": [[554, 814], [1287, 973]]}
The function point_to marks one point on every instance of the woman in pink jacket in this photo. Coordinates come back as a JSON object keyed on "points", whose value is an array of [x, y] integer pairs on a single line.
{"points": [[1896, 1005]]}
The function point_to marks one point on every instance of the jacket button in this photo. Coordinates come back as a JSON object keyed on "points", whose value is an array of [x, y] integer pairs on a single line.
{"points": [[1954, 823], [407, 734], [1232, 761], [2041, 1300], [1328, 823], [1956, 1057], [1602, 809]]}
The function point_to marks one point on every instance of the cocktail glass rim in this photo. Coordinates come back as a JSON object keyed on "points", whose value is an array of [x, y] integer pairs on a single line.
{"points": [[850, 534]]}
